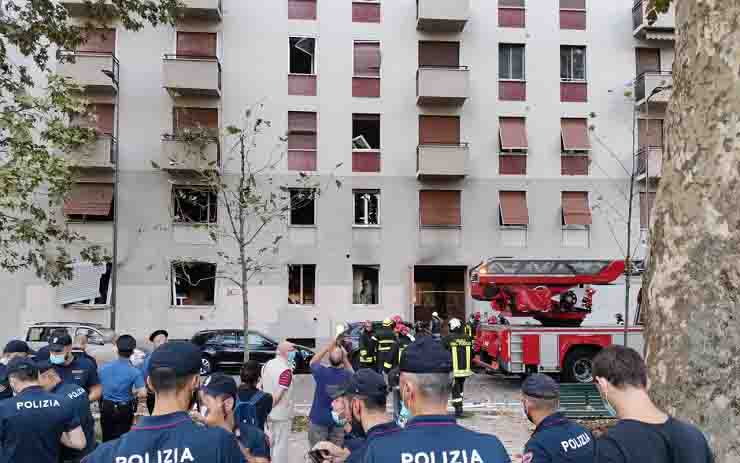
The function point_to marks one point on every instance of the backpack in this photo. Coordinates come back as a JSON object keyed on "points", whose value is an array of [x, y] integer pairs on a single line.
{"points": [[246, 411]]}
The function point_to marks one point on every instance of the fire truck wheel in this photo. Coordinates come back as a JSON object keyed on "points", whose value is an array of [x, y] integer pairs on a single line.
{"points": [[578, 365]]}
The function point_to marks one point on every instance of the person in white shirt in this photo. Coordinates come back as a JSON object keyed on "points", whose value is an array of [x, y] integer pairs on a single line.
{"points": [[277, 380]]}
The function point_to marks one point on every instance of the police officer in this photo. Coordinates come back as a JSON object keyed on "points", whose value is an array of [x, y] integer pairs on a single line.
{"points": [[120, 381], [13, 349], [404, 338], [74, 370], [432, 435], [386, 346], [157, 338], [74, 396], [170, 434], [368, 346], [43, 352], [556, 439], [79, 349], [435, 326], [34, 424], [461, 347]]}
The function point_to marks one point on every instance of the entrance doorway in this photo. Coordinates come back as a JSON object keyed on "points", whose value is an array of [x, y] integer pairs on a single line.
{"points": [[439, 289]]}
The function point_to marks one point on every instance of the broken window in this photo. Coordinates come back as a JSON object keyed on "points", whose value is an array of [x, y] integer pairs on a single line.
{"points": [[365, 288], [194, 205], [367, 207], [302, 284], [366, 131], [302, 53], [302, 206], [90, 285], [193, 283]]}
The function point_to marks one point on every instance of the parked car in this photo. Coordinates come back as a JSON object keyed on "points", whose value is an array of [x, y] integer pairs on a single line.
{"points": [[99, 338], [224, 349]]}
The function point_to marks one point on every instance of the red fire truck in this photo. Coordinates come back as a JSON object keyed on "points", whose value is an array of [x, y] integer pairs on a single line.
{"points": [[556, 296]]}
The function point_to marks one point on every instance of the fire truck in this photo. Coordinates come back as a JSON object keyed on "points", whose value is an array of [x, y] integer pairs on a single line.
{"points": [[555, 297]]}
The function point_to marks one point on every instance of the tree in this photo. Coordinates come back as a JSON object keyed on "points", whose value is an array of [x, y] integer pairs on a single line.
{"points": [[253, 205], [693, 280], [35, 128]]}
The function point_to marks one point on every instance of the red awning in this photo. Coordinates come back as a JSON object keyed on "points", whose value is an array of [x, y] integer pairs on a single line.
{"points": [[513, 133], [575, 208], [92, 199], [514, 208], [574, 134]]}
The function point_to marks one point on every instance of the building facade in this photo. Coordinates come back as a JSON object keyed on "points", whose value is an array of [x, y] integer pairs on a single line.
{"points": [[459, 130]]}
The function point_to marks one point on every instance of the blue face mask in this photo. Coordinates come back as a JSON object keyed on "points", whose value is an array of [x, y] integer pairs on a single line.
{"points": [[291, 357], [56, 359], [338, 420], [404, 415], [607, 405]]}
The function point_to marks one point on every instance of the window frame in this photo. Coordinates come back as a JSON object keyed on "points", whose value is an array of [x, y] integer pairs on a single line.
{"points": [[501, 223], [572, 49], [367, 214], [509, 47], [91, 302], [314, 61], [290, 204], [173, 283], [377, 285], [380, 59], [302, 279], [204, 189]]}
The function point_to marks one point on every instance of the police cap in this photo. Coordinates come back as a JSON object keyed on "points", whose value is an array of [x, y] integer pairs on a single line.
{"points": [[57, 343], [541, 387], [219, 384], [183, 357], [17, 347], [426, 355], [366, 383], [157, 333], [22, 364], [126, 343]]}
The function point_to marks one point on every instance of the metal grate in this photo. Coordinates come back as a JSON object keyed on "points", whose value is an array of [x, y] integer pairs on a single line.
{"points": [[582, 401]]}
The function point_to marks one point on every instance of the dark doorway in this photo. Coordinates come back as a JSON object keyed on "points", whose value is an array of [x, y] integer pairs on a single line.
{"points": [[439, 289]]}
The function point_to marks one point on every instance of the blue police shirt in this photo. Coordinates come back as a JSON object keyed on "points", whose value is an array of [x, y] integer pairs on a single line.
{"points": [[376, 432], [253, 439], [5, 391], [558, 440], [81, 372], [172, 438], [118, 379], [31, 425], [436, 439], [75, 397]]}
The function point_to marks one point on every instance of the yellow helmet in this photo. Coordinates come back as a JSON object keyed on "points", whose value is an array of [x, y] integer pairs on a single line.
{"points": [[387, 322]]}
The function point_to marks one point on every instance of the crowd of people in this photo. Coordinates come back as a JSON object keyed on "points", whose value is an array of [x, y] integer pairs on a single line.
{"points": [[163, 411]]}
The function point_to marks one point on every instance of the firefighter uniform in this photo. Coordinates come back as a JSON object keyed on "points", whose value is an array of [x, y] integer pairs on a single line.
{"points": [[368, 348], [461, 348], [386, 346]]}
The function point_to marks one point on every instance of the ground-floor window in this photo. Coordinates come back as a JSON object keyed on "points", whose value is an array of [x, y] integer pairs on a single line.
{"points": [[193, 283], [365, 284], [302, 284]]}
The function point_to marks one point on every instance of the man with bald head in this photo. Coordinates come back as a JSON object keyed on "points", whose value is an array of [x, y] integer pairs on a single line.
{"points": [[277, 380]]}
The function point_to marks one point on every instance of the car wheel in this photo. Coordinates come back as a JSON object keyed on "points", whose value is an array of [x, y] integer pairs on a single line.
{"points": [[578, 365], [206, 366]]}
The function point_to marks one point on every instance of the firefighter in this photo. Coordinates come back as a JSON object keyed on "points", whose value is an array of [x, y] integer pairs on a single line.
{"points": [[386, 346], [461, 347], [368, 346], [471, 328], [435, 326]]}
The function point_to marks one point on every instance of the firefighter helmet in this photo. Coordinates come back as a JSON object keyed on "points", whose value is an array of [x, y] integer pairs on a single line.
{"points": [[455, 324], [387, 322], [397, 319]]}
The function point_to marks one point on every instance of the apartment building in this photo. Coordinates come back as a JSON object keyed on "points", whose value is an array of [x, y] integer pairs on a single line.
{"points": [[462, 129]]}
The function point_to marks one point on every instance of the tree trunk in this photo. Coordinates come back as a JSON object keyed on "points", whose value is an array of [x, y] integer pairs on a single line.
{"points": [[693, 281], [245, 314]]}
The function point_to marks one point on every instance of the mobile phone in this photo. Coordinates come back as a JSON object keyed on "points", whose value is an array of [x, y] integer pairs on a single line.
{"points": [[318, 456]]}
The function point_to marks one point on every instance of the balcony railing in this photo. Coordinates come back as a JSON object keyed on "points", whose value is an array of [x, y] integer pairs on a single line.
{"points": [[662, 28], [442, 85], [442, 15], [192, 75], [100, 154], [210, 10], [180, 153], [657, 84], [649, 162], [97, 72], [442, 160]]}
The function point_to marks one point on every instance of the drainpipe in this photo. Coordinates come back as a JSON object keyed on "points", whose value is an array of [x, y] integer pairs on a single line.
{"points": [[113, 75]]}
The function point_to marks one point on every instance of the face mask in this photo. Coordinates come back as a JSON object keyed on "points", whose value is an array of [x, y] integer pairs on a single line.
{"points": [[608, 406], [525, 413], [56, 359], [338, 420], [291, 357]]}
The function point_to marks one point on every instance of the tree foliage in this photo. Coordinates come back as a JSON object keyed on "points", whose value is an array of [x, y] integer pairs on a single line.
{"points": [[35, 130]]}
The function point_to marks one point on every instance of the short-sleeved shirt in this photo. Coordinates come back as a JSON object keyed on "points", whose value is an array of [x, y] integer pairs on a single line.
{"points": [[634, 441], [263, 406], [119, 378], [81, 372], [559, 440], [376, 432], [436, 438], [75, 397], [325, 377], [31, 426], [173, 437], [253, 439], [5, 391]]}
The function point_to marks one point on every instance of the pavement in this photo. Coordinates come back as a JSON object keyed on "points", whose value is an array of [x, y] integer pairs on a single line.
{"points": [[492, 406]]}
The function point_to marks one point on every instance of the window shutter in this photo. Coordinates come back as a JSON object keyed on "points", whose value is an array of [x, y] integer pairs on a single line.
{"points": [[444, 130], [650, 133], [572, 4], [576, 210], [574, 134], [574, 164], [196, 44], [512, 164], [648, 60], [439, 208], [647, 200], [191, 118], [513, 133], [367, 59], [99, 41], [84, 285], [104, 117], [441, 54], [514, 208], [93, 199], [302, 130]]}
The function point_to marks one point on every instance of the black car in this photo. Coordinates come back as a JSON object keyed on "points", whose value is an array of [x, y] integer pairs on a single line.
{"points": [[224, 349]]}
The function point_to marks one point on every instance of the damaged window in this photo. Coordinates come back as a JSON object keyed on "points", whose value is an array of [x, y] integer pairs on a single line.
{"points": [[302, 206], [193, 283], [194, 205], [365, 288], [302, 52], [367, 207], [366, 131], [90, 285], [302, 284]]}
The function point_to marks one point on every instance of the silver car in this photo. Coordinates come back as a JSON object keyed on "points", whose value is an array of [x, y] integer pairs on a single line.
{"points": [[99, 338]]}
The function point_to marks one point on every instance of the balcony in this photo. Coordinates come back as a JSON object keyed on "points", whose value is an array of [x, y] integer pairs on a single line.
{"points": [[179, 154], [657, 84], [664, 27], [101, 154], [192, 76], [209, 10], [649, 163], [442, 85], [96, 72], [442, 15], [83, 7], [442, 161]]}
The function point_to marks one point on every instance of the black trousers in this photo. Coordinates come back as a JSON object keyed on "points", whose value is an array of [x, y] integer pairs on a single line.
{"points": [[150, 402], [457, 395], [116, 419]]}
